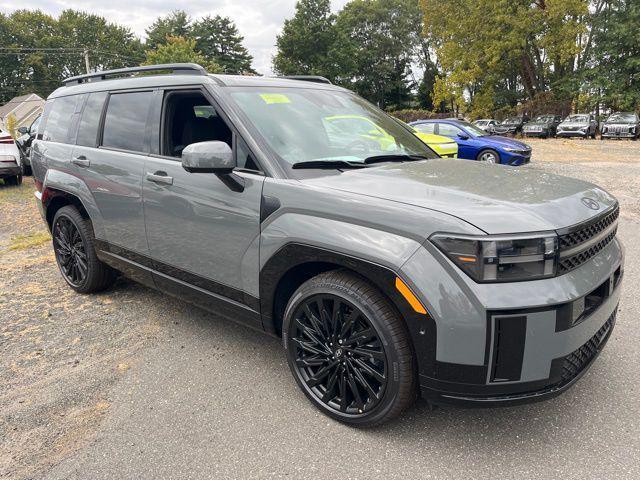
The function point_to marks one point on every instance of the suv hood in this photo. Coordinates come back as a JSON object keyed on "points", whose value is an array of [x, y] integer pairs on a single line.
{"points": [[494, 198]]}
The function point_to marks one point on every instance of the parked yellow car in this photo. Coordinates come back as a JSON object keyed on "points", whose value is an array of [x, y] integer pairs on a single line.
{"points": [[370, 132], [443, 146]]}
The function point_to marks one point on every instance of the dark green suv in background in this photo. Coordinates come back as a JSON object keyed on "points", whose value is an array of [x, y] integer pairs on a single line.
{"points": [[387, 272]]}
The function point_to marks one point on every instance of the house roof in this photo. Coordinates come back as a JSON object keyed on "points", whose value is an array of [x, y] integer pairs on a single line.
{"points": [[16, 102]]}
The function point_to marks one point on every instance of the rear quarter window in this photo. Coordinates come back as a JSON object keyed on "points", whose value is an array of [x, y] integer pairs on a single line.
{"points": [[60, 111], [125, 121]]}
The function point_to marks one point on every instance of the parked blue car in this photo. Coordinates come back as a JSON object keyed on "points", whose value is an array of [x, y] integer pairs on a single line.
{"points": [[476, 144]]}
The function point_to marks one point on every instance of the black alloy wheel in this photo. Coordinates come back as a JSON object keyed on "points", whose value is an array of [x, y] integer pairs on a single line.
{"points": [[338, 354], [70, 251], [74, 248], [349, 350]]}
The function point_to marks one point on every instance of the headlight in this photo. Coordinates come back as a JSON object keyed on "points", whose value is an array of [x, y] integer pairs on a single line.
{"points": [[506, 258], [513, 149]]}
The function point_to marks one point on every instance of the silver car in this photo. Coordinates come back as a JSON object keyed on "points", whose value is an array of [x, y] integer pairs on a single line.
{"points": [[487, 124], [387, 272], [580, 125]]}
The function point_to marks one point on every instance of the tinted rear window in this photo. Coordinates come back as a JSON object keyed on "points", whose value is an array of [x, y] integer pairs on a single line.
{"points": [[125, 121], [58, 119], [90, 121]]}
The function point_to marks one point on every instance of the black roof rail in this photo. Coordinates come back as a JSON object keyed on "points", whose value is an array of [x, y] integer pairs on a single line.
{"points": [[175, 68], [308, 78]]}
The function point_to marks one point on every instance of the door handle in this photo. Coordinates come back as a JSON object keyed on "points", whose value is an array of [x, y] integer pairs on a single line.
{"points": [[81, 161], [160, 177]]}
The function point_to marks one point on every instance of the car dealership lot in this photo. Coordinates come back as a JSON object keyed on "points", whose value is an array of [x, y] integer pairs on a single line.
{"points": [[131, 383]]}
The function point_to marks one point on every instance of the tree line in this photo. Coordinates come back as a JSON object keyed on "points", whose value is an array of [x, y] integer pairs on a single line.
{"points": [[39, 50], [490, 58]]}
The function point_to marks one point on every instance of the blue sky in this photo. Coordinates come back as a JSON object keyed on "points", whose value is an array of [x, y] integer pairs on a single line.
{"points": [[259, 21]]}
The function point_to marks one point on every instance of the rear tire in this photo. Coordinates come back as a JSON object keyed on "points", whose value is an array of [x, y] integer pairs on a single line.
{"points": [[349, 350], [14, 180], [74, 247]]}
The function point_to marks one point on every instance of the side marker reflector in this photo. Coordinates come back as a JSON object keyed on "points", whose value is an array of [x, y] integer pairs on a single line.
{"points": [[410, 297]]}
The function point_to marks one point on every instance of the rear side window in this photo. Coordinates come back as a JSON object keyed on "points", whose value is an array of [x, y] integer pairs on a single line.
{"points": [[90, 121], [425, 127], [125, 121], [58, 120]]}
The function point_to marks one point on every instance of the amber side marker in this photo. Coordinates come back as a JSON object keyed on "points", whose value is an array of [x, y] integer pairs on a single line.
{"points": [[410, 297]]}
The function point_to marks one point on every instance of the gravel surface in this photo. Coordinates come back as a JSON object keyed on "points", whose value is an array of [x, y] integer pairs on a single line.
{"points": [[135, 384]]}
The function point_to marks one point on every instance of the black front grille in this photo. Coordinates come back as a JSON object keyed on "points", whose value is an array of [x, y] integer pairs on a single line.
{"points": [[577, 361], [569, 263], [583, 234]]}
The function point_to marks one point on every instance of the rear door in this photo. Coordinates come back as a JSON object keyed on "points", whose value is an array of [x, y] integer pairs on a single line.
{"points": [[203, 231], [53, 149], [111, 149]]}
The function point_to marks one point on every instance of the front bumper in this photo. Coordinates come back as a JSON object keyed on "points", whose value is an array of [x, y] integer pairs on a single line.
{"points": [[515, 159], [493, 348], [571, 133], [614, 134], [537, 133], [10, 170]]}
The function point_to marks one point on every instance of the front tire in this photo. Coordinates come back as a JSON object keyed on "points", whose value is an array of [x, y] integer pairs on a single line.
{"points": [[73, 245], [488, 156], [349, 350]]}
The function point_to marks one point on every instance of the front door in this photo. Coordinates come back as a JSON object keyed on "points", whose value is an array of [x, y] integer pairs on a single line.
{"points": [[466, 148], [203, 234]]}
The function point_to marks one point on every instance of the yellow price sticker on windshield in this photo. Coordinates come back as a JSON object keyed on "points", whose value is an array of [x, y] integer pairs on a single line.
{"points": [[270, 98]]}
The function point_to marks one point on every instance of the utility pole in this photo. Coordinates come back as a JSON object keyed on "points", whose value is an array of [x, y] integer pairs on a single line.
{"points": [[86, 60]]}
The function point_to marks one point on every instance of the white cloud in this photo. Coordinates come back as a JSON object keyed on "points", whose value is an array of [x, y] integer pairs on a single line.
{"points": [[258, 21]]}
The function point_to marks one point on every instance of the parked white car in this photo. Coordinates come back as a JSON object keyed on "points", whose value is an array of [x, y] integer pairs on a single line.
{"points": [[10, 163], [487, 124]]}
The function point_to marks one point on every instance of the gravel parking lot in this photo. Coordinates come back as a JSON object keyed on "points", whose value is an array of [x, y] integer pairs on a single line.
{"points": [[135, 384]]}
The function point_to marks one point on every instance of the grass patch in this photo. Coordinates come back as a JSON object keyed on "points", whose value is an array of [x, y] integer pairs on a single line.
{"points": [[31, 240]]}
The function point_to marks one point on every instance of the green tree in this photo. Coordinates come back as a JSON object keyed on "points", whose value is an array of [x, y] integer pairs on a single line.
{"points": [[614, 77], [175, 24], [218, 38], [306, 39], [12, 125], [377, 41], [480, 45], [40, 50], [179, 50]]}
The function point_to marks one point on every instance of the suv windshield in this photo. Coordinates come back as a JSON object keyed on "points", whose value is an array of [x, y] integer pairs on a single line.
{"points": [[622, 117], [577, 118], [304, 125], [544, 118]]}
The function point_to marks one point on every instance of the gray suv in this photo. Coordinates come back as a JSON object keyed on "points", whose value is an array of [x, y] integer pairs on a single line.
{"points": [[388, 272]]}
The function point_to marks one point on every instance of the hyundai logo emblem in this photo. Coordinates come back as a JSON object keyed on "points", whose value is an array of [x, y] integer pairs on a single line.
{"points": [[590, 203]]}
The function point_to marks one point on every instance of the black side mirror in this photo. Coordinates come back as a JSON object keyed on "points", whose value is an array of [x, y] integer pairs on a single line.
{"points": [[23, 130]]}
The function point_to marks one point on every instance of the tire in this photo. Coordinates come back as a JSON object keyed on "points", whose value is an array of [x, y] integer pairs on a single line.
{"points": [[486, 155], [326, 351], [74, 248], [14, 180]]}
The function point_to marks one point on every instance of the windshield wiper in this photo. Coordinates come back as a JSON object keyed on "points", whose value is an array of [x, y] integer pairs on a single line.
{"points": [[328, 164], [394, 158]]}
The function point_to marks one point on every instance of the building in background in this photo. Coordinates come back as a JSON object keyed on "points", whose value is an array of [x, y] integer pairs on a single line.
{"points": [[25, 108]]}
